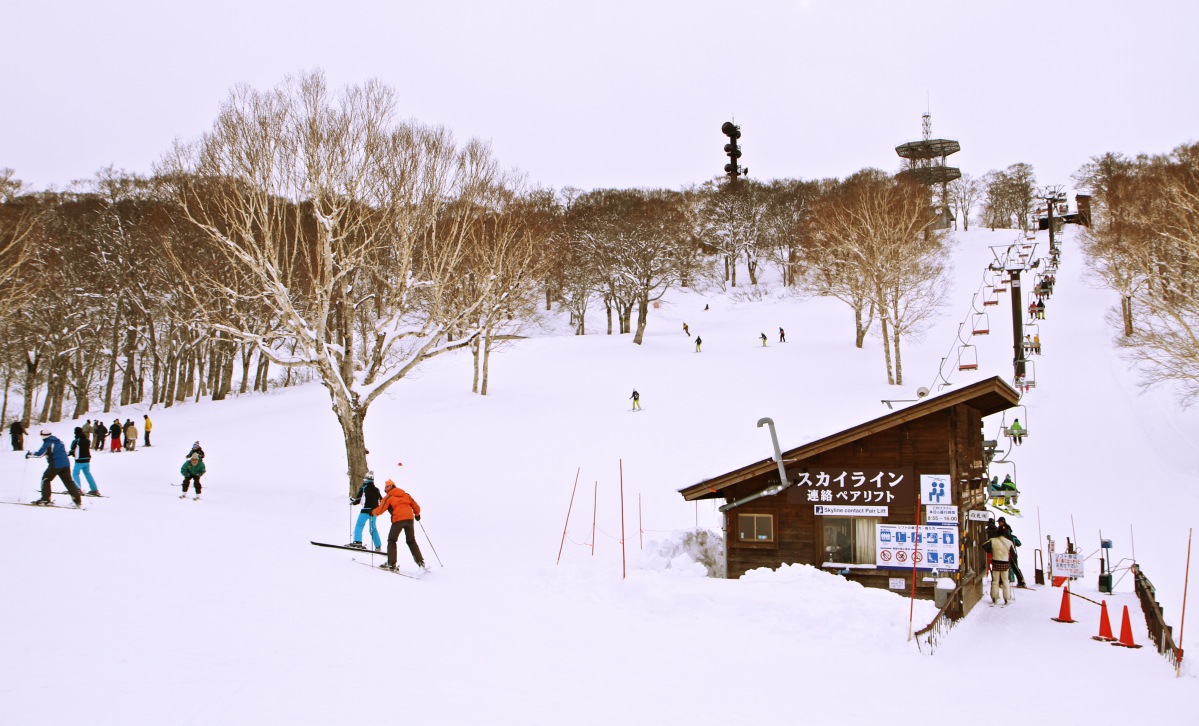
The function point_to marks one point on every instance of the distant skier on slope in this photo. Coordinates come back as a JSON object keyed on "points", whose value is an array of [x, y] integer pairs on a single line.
{"points": [[698, 342], [636, 400], [762, 337]]}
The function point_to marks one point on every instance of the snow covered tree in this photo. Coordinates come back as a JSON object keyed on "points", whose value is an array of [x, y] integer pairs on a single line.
{"points": [[876, 249], [350, 225], [1144, 242], [638, 243]]}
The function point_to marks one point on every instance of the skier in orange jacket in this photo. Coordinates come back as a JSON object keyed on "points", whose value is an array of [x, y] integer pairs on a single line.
{"points": [[404, 510]]}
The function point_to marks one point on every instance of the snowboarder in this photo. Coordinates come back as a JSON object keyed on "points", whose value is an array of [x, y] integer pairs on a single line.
{"points": [[1001, 548], [57, 465], [636, 400], [146, 427], [686, 330], [17, 432], [762, 337], [192, 470], [782, 336], [1006, 530], [1016, 431], [114, 435], [368, 496], [130, 435], [404, 510], [81, 449], [698, 342]]}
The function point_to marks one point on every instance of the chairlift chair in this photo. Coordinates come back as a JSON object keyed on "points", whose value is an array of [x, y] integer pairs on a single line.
{"points": [[967, 358], [981, 324], [992, 298]]}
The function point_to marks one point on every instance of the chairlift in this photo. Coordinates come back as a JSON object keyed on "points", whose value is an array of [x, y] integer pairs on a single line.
{"points": [[981, 324], [1002, 499], [1021, 432], [992, 298], [967, 358]]}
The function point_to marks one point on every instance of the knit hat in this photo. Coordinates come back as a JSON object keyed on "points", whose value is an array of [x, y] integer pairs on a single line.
{"points": [[195, 457], [45, 433], [369, 478], [196, 445], [389, 485]]}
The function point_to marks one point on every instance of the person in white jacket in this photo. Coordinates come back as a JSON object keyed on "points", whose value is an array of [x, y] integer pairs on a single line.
{"points": [[1001, 549]]}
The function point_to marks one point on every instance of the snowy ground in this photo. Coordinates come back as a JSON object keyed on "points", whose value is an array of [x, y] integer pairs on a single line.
{"points": [[151, 609]]}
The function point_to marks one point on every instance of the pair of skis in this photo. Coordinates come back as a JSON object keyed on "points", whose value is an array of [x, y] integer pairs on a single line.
{"points": [[367, 564], [48, 506]]}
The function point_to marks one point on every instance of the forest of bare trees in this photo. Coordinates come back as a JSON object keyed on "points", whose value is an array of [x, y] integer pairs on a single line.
{"points": [[1144, 244], [309, 235]]}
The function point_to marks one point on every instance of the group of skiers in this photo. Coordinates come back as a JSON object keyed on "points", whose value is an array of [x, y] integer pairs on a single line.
{"points": [[58, 461], [1002, 560], [404, 512], [1036, 310], [122, 435]]}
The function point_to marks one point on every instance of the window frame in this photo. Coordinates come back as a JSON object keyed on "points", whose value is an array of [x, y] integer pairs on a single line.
{"points": [[771, 542]]}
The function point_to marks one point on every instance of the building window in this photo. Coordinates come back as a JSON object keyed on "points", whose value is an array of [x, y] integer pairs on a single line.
{"points": [[850, 541], [755, 527]]}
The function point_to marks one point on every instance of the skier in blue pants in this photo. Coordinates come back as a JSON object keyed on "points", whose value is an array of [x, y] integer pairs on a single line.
{"points": [[369, 497], [81, 449]]}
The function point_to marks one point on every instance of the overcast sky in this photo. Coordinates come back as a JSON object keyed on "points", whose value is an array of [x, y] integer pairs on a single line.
{"points": [[621, 93]]}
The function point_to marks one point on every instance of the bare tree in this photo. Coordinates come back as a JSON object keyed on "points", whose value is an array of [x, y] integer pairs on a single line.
{"points": [[964, 193], [884, 253], [350, 225], [1144, 241]]}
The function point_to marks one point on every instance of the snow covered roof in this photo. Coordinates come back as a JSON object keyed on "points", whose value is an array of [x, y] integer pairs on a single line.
{"points": [[989, 396]]}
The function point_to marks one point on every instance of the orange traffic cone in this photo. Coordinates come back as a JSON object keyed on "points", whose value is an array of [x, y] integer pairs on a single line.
{"points": [[1126, 632], [1105, 626], [1064, 615]]}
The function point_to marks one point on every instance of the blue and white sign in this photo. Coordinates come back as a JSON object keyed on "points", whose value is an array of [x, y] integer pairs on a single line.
{"points": [[935, 489], [941, 514], [931, 547]]}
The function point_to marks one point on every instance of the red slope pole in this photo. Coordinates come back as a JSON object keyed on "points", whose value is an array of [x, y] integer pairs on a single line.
{"points": [[624, 569], [568, 508], [916, 548]]}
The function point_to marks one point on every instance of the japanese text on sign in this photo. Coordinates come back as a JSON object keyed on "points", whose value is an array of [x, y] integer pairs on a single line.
{"points": [[1067, 565], [851, 486]]}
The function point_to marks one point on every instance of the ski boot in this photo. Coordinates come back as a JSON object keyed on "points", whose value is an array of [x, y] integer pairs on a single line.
{"points": [[43, 502], [389, 568], [356, 545]]}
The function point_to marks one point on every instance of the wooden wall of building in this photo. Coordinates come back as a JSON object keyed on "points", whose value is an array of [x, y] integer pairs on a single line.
{"points": [[948, 441]]}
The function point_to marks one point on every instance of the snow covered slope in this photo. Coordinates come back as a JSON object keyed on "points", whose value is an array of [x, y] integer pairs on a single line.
{"points": [[151, 609]]}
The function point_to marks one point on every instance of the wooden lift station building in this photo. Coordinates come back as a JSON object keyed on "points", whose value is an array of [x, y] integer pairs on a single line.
{"points": [[848, 502]]}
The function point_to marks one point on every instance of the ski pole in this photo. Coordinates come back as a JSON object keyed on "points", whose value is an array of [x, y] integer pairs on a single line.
{"points": [[422, 529]]}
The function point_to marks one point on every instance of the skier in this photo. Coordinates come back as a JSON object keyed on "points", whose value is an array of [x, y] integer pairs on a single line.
{"points": [[762, 337], [130, 435], [196, 450], [81, 449], [57, 465], [1028, 349], [1036, 344], [89, 430], [1006, 530], [192, 470], [636, 400], [1016, 431], [114, 434], [368, 496], [404, 510], [146, 427], [101, 436], [1001, 548], [782, 336], [1040, 309], [686, 330], [17, 432], [698, 342]]}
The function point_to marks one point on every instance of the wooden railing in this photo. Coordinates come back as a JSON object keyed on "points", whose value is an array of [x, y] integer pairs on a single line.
{"points": [[930, 636], [1162, 634]]}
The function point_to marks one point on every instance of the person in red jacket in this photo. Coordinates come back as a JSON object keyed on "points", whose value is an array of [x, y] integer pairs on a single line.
{"points": [[404, 510]]}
